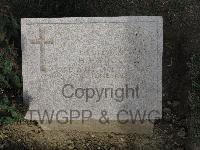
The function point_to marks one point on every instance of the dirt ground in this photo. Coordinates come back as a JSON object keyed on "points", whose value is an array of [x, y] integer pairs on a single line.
{"points": [[30, 136]]}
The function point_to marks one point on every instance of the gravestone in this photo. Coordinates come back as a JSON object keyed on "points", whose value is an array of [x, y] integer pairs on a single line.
{"points": [[93, 74]]}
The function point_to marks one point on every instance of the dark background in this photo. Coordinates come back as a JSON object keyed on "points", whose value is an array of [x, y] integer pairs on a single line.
{"points": [[180, 58]]}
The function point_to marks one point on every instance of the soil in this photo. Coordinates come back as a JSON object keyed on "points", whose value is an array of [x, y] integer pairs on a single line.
{"points": [[28, 135]]}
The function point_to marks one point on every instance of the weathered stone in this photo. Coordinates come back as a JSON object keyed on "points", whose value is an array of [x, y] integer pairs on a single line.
{"points": [[102, 69]]}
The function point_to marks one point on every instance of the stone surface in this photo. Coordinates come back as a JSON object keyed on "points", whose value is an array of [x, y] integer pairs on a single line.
{"points": [[104, 69]]}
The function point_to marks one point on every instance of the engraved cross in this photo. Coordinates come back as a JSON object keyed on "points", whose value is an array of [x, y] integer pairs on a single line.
{"points": [[41, 41]]}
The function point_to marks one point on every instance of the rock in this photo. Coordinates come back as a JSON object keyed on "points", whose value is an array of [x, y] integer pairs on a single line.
{"points": [[122, 139], [70, 144], [110, 135], [92, 136], [80, 145]]}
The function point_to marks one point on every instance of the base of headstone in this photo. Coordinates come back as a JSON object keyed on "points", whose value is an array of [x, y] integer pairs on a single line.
{"points": [[94, 126]]}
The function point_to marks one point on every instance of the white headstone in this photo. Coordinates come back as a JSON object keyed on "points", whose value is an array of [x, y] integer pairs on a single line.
{"points": [[104, 69]]}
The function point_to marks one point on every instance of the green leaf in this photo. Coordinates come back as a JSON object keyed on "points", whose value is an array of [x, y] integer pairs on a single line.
{"points": [[16, 80], [14, 114], [3, 82], [7, 67], [5, 100]]}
